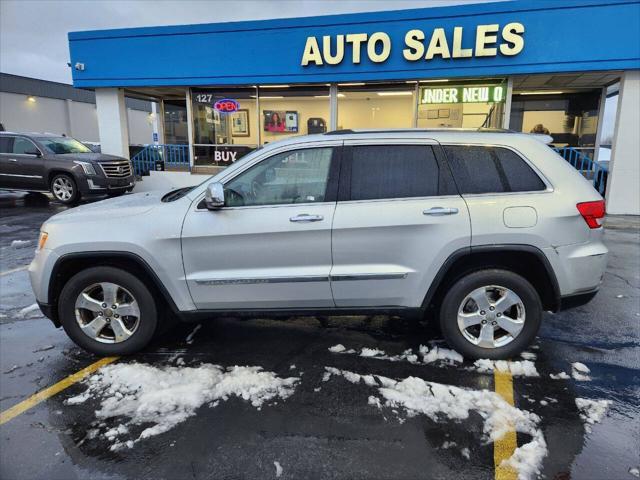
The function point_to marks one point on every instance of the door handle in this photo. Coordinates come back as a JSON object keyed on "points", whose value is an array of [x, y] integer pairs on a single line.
{"points": [[304, 218], [439, 211], [13, 160]]}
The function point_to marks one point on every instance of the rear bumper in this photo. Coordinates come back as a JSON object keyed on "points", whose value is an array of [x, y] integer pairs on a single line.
{"points": [[573, 301]]}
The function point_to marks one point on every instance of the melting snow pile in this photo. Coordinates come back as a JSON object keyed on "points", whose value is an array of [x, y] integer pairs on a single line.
{"points": [[592, 411], [525, 368], [20, 243], [580, 372], [425, 354], [159, 398], [437, 400]]}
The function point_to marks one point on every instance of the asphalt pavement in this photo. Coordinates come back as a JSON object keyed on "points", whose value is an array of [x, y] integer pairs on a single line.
{"points": [[328, 426]]}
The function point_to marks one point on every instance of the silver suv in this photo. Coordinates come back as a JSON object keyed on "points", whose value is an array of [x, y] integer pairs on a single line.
{"points": [[482, 230]]}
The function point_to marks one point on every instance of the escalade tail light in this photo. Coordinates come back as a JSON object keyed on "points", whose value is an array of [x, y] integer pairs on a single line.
{"points": [[592, 212]]}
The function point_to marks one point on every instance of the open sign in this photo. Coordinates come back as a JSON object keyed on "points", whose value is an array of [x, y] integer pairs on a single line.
{"points": [[226, 105]]}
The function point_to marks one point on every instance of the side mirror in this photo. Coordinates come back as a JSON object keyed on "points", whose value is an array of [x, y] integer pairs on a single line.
{"points": [[35, 153], [214, 196]]}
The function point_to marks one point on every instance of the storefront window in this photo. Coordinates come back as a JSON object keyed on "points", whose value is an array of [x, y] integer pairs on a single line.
{"points": [[287, 111], [175, 122], [376, 106], [462, 105], [570, 118], [224, 126]]}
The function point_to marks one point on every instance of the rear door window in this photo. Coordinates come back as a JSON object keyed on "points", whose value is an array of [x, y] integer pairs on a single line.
{"points": [[393, 171], [480, 169]]}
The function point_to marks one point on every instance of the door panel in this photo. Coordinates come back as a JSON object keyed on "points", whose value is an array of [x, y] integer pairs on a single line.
{"points": [[399, 246], [25, 169], [270, 247], [256, 257], [397, 220]]}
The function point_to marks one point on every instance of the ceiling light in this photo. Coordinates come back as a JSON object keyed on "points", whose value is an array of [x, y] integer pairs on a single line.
{"points": [[539, 92], [262, 97], [327, 96], [31, 99], [434, 81], [274, 86], [393, 94], [353, 84]]}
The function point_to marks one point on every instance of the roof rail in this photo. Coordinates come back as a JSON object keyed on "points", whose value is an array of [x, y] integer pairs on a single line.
{"points": [[349, 131]]}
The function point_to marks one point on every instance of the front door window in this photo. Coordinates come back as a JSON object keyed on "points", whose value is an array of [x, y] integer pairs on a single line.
{"points": [[298, 176]]}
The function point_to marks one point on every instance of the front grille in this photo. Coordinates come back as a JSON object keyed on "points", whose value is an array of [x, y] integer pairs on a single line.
{"points": [[116, 169]]}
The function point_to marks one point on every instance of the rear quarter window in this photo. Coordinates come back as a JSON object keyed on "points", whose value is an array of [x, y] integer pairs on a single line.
{"points": [[480, 169]]}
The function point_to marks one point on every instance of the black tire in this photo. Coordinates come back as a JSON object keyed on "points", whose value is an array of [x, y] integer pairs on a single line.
{"points": [[64, 179], [463, 287], [148, 322]]}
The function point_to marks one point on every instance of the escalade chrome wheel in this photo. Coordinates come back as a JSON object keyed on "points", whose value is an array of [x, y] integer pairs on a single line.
{"points": [[107, 312], [64, 189], [490, 314]]}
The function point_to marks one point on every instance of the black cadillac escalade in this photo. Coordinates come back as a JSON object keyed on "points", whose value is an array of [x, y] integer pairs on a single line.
{"points": [[61, 165]]}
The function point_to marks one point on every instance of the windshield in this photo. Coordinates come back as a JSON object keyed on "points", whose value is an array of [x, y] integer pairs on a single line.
{"points": [[63, 145]]}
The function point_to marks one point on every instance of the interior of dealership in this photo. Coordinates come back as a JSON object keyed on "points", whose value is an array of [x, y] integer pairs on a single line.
{"points": [[234, 121]]}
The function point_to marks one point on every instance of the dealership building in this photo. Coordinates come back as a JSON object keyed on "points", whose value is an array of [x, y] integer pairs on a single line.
{"points": [[224, 89]]}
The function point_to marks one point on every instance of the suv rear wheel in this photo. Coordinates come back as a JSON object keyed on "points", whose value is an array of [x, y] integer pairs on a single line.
{"points": [[491, 314], [64, 189], [108, 311]]}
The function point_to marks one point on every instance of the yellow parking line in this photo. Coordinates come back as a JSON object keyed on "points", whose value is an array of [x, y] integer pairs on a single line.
{"points": [[14, 270], [42, 395], [504, 447]]}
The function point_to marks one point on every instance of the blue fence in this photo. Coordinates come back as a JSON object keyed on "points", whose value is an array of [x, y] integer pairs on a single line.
{"points": [[594, 171], [169, 156]]}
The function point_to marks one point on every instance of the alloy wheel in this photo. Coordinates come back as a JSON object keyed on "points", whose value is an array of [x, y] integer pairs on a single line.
{"points": [[107, 312], [63, 189], [491, 316]]}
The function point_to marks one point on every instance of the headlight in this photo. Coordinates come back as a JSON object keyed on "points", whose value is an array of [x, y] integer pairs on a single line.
{"points": [[87, 167], [42, 240]]}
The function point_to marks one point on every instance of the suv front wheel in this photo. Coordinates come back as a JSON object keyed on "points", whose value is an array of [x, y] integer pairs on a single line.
{"points": [[64, 189], [491, 314], [108, 311]]}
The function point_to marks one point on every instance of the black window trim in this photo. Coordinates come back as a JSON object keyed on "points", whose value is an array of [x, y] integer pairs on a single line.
{"points": [[549, 186], [344, 187]]}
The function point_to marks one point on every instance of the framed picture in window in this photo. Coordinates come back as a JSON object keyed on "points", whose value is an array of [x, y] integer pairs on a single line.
{"points": [[240, 123]]}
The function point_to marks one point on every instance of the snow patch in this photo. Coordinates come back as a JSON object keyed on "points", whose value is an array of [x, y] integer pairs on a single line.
{"points": [[278, 469], [425, 354], [592, 411], [580, 372], [436, 400], [27, 310], [20, 243], [525, 368], [528, 356], [635, 471], [159, 398], [559, 376]]}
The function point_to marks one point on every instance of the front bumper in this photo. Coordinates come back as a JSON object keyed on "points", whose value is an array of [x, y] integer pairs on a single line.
{"points": [[97, 185]]}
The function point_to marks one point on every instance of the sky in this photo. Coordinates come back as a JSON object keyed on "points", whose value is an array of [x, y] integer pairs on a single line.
{"points": [[33, 33]]}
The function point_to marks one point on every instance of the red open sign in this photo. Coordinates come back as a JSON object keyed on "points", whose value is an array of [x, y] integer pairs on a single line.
{"points": [[226, 105]]}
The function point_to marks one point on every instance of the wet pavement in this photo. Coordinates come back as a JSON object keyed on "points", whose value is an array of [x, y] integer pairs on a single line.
{"points": [[325, 429]]}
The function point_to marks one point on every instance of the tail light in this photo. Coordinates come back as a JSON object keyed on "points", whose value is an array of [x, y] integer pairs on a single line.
{"points": [[592, 212]]}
